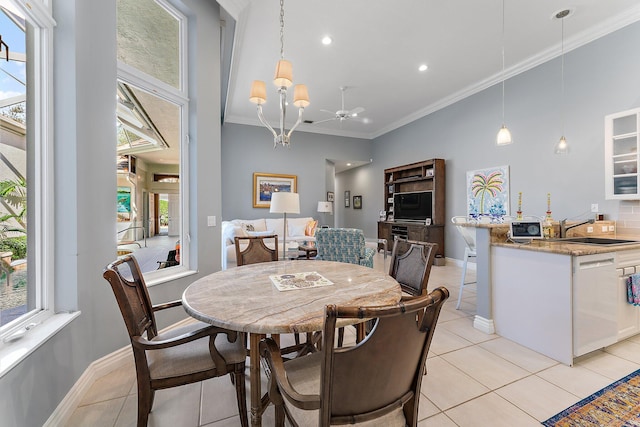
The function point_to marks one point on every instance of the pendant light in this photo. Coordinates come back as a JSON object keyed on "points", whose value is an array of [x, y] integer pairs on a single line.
{"points": [[504, 135], [562, 147]]}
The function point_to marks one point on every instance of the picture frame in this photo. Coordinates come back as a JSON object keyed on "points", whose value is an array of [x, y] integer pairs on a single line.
{"points": [[357, 202], [330, 196], [264, 184], [347, 199]]}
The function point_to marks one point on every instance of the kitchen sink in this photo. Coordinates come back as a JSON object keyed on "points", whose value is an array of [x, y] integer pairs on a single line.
{"points": [[595, 241]]}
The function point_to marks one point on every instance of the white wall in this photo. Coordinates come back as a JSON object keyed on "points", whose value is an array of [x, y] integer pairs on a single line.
{"points": [[84, 191], [249, 149], [600, 78]]}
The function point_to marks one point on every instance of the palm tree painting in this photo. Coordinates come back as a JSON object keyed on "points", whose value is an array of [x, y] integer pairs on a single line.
{"points": [[488, 192]]}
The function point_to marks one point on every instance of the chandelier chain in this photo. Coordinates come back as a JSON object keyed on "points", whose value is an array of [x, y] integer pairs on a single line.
{"points": [[281, 29]]}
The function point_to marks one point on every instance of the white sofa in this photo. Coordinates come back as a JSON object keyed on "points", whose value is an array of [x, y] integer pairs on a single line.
{"points": [[296, 233]]}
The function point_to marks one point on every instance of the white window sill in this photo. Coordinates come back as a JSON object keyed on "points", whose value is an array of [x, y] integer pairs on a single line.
{"points": [[161, 276], [13, 352]]}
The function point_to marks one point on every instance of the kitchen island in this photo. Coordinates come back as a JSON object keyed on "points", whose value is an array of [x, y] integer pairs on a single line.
{"points": [[562, 299]]}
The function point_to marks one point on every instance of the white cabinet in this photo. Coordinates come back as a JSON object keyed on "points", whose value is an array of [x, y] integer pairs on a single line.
{"points": [[621, 155], [628, 315]]}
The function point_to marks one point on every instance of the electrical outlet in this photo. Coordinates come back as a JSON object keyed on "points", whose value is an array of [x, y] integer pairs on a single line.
{"points": [[612, 228], [589, 229], [604, 228], [594, 207]]}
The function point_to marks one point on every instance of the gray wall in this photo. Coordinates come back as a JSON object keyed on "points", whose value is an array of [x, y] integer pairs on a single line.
{"points": [[600, 78], [249, 149], [85, 203]]}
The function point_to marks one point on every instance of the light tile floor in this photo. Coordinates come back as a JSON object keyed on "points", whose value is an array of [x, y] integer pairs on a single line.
{"points": [[473, 379]]}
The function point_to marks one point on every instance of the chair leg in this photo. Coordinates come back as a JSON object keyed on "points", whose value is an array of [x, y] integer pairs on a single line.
{"points": [[464, 275], [145, 402], [241, 394]]}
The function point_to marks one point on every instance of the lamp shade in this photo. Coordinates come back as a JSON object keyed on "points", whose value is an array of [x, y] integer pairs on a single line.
{"points": [[325, 207], [285, 202], [301, 96], [284, 74], [258, 92]]}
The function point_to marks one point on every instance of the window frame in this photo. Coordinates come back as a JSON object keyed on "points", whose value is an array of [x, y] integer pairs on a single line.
{"points": [[178, 96], [23, 335]]}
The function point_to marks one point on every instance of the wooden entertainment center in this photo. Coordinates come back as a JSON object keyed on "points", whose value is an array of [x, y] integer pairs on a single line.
{"points": [[428, 175]]}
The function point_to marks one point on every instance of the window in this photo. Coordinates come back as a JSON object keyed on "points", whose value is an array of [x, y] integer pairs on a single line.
{"points": [[25, 190], [151, 112]]}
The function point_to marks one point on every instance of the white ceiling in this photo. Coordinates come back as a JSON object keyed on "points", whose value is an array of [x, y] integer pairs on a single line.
{"points": [[378, 46]]}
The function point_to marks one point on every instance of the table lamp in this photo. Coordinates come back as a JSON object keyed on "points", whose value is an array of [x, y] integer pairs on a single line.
{"points": [[284, 203], [325, 207]]}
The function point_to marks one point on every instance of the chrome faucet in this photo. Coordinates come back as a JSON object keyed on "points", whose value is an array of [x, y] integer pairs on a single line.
{"points": [[564, 228]]}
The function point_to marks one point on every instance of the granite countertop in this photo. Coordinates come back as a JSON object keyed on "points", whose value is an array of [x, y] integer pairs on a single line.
{"points": [[573, 249]]}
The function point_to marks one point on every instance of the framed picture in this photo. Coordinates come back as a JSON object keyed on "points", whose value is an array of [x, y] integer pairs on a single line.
{"points": [[264, 184], [357, 202], [330, 196], [488, 193], [347, 199]]}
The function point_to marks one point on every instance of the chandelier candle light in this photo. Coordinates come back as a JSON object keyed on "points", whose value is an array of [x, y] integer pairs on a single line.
{"points": [[283, 79]]}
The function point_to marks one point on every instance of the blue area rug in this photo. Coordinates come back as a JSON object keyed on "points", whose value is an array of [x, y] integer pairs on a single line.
{"points": [[616, 405]]}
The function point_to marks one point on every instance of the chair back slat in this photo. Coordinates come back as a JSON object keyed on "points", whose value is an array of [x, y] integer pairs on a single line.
{"points": [[256, 250], [132, 296]]}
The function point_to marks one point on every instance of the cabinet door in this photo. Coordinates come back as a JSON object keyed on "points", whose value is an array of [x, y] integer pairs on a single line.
{"points": [[416, 232], [628, 317], [384, 232], [621, 155]]}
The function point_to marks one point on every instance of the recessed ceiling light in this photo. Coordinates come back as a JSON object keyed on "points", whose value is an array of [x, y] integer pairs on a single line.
{"points": [[326, 40], [348, 164], [423, 67]]}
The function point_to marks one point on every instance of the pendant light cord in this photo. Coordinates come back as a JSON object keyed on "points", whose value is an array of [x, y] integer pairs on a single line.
{"points": [[562, 107], [503, 62]]}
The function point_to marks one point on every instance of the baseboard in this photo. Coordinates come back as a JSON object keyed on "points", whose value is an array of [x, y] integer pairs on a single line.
{"points": [[95, 370], [460, 263], [485, 325]]}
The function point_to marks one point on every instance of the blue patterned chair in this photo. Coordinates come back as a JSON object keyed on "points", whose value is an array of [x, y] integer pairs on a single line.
{"points": [[343, 245]]}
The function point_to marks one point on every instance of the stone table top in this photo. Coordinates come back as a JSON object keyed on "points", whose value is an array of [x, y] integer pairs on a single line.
{"points": [[244, 298]]}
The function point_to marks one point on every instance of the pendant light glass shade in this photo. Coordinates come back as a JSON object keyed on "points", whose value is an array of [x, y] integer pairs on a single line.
{"points": [[504, 136], [562, 147]]}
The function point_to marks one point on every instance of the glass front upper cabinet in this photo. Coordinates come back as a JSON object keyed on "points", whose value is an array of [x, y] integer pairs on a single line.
{"points": [[621, 155]]}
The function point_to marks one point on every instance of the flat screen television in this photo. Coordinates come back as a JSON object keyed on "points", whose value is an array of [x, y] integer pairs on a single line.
{"points": [[413, 206]]}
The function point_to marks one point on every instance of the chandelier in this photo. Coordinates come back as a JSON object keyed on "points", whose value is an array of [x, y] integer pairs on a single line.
{"points": [[283, 79]]}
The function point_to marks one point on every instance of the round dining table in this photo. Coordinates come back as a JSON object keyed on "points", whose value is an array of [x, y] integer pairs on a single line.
{"points": [[247, 299]]}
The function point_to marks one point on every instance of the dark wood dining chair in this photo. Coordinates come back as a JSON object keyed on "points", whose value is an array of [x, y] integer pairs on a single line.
{"points": [[411, 263], [377, 379], [252, 249], [182, 355]]}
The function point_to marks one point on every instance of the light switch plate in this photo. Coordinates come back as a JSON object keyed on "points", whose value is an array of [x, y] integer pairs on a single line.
{"points": [[211, 221]]}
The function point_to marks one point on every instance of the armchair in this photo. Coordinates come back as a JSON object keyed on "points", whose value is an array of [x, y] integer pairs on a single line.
{"points": [[343, 245], [183, 355], [376, 382]]}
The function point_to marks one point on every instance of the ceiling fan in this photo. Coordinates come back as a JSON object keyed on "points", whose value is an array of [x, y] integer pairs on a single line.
{"points": [[343, 114]]}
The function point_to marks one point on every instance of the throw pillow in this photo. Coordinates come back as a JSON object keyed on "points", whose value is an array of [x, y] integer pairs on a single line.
{"points": [[249, 227], [310, 229]]}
